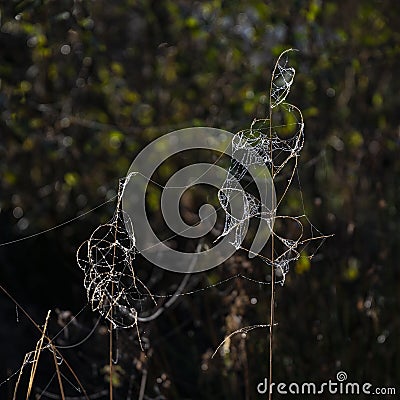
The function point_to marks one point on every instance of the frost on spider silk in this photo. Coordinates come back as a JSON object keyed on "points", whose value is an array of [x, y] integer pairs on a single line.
{"points": [[106, 258], [272, 145]]}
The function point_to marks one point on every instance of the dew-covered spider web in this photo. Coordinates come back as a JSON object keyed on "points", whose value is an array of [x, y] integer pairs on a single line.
{"points": [[274, 142], [107, 259]]}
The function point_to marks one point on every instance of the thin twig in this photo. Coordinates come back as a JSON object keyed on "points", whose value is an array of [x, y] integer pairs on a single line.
{"points": [[58, 374], [120, 193], [111, 351], [272, 303]]}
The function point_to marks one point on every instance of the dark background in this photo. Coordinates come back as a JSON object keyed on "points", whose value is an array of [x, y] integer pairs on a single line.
{"points": [[86, 84]]}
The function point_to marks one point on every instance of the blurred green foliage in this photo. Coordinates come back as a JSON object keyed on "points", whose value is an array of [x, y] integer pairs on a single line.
{"points": [[86, 84]]}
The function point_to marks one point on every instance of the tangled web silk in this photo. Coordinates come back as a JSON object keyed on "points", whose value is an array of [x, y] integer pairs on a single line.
{"points": [[106, 259]]}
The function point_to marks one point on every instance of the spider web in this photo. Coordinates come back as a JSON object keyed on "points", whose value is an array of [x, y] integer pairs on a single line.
{"points": [[106, 259], [265, 145]]}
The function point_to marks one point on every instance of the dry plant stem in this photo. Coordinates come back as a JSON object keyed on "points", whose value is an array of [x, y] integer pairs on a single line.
{"points": [[58, 373], [36, 356], [111, 305], [111, 352], [246, 368], [143, 384], [272, 318], [48, 339], [272, 304]]}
